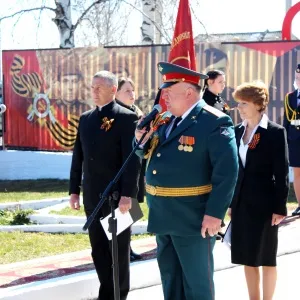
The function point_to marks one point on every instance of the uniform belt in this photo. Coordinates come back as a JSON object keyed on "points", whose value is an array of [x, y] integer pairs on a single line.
{"points": [[178, 192]]}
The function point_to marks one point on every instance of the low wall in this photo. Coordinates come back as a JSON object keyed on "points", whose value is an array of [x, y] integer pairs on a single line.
{"points": [[34, 165], [37, 165]]}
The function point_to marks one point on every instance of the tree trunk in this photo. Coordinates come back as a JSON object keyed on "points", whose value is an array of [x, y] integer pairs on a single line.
{"points": [[147, 26], [158, 20], [153, 10], [63, 22]]}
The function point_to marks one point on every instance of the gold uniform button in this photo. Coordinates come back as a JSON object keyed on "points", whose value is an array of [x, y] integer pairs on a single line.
{"points": [[158, 155], [154, 172]]}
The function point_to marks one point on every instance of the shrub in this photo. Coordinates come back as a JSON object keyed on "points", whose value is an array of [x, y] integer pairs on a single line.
{"points": [[15, 217]]}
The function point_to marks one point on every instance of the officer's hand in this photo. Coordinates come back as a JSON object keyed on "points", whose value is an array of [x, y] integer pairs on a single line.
{"points": [[276, 219], [139, 133], [125, 204], [210, 225], [74, 201]]}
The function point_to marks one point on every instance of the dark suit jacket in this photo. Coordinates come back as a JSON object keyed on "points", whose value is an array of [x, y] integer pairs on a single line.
{"points": [[99, 154], [263, 183], [141, 183], [293, 132], [216, 101]]}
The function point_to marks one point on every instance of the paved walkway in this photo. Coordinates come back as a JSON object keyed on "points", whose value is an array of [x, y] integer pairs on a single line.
{"points": [[231, 285], [76, 262], [60, 265]]}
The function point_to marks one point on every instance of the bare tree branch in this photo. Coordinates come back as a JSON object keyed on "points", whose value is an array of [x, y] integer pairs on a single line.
{"points": [[39, 23], [27, 10], [87, 10], [15, 24], [207, 35]]}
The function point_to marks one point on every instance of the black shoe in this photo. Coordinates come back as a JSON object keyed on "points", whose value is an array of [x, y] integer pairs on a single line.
{"points": [[296, 212], [134, 256]]}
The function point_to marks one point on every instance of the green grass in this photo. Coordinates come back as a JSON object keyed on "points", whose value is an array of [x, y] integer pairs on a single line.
{"points": [[67, 211], [20, 246], [24, 190]]}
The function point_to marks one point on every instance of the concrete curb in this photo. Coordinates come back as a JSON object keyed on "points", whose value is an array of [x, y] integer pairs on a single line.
{"points": [[53, 223], [137, 228], [33, 204], [79, 286]]}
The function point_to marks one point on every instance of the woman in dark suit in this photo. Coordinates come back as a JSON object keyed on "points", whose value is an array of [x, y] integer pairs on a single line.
{"points": [[259, 202], [213, 87], [126, 97]]}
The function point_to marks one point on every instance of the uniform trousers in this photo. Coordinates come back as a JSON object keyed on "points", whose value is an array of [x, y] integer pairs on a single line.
{"points": [[102, 258], [186, 266]]}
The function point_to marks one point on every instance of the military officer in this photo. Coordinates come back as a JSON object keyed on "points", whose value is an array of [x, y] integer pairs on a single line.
{"points": [[291, 122], [103, 143], [190, 178], [213, 87]]}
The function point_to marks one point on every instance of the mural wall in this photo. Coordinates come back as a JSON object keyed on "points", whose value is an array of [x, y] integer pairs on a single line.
{"points": [[45, 91]]}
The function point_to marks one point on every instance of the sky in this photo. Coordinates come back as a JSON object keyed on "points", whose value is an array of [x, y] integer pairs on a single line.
{"points": [[218, 16]]}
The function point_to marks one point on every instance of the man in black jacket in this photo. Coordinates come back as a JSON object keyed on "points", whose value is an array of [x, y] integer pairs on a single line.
{"points": [[103, 142]]}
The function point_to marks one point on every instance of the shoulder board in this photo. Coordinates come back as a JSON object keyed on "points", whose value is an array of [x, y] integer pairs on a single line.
{"points": [[214, 111]]}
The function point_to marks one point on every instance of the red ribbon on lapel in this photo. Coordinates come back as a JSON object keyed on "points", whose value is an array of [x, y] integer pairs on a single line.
{"points": [[254, 141]]}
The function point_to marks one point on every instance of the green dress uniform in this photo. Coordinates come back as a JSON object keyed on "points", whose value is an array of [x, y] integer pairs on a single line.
{"points": [[190, 173]]}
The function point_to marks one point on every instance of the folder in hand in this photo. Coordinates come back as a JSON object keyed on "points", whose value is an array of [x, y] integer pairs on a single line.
{"points": [[123, 220], [227, 236]]}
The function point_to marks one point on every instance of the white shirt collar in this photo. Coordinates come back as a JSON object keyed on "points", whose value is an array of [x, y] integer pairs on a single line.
{"points": [[263, 122], [188, 111]]}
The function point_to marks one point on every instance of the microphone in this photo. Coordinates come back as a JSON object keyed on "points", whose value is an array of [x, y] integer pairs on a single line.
{"points": [[2, 109], [150, 117]]}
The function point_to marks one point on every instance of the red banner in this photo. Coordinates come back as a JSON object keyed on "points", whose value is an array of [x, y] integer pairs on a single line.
{"points": [[182, 50]]}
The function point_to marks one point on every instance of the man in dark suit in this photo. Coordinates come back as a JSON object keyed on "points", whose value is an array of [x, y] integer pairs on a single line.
{"points": [[190, 179], [104, 141]]}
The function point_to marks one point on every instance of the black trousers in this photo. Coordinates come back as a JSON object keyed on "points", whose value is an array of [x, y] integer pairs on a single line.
{"points": [[102, 258]]}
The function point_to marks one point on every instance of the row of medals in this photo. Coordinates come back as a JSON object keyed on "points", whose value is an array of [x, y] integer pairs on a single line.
{"points": [[185, 148]]}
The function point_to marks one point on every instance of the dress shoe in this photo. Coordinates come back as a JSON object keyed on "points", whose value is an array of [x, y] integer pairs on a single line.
{"points": [[296, 212], [134, 256]]}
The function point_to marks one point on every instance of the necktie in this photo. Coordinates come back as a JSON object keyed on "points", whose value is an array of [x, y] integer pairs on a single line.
{"points": [[177, 120]]}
